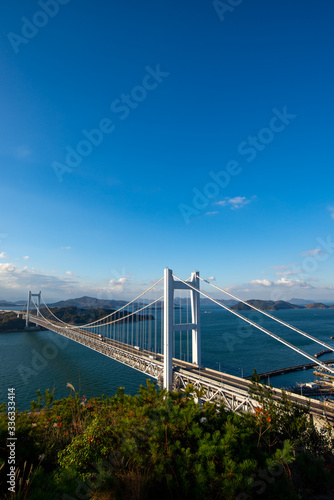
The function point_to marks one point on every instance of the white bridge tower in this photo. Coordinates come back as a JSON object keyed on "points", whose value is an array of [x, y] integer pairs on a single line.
{"points": [[38, 305], [170, 284]]}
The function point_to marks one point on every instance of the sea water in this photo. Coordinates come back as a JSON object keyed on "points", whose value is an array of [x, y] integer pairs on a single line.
{"points": [[45, 360]]}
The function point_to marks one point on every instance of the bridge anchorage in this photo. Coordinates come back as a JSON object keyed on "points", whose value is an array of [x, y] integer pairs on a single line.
{"points": [[159, 334]]}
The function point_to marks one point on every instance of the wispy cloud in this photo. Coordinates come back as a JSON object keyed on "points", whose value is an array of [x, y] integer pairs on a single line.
{"points": [[211, 213], [26, 257], [313, 252], [287, 270], [236, 202], [3, 255], [22, 152]]}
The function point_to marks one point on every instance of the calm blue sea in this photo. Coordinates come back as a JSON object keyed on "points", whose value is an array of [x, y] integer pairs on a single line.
{"points": [[43, 360]]}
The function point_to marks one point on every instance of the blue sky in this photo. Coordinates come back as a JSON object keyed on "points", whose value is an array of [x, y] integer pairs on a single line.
{"points": [[140, 135]]}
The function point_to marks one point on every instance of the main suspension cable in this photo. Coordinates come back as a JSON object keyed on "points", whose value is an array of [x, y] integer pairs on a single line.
{"points": [[300, 351], [109, 315], [272, 317]]}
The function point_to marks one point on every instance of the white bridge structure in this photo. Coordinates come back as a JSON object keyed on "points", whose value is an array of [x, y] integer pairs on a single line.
{"points": [[159, 334]]}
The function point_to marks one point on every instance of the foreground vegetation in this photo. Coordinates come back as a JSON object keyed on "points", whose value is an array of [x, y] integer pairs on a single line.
{"points": [[155, 445]]}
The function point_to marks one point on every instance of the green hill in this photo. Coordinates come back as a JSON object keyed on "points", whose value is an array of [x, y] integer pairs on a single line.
{"points": [[265, 305]]}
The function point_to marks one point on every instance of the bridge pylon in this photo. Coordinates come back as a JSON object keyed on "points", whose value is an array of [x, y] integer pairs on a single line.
{"points": [[38, 295], [170, 285]]}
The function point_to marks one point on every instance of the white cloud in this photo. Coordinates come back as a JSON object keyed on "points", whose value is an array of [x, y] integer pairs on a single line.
{"points": [[6, 268], [289, 283], [211, 278], [211, 213], [26, 257], [16, 281], [118, 285], [282, 282], [69, 273], [261, 282], [3, 255], [236, 202]]}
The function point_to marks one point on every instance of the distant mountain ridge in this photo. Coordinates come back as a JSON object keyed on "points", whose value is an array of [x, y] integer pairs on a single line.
{"points": [[89, 303], [92, 303], [6, 303], [303, 302], [265, 305]]}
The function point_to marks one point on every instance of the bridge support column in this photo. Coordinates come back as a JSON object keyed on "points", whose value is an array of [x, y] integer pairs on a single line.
{"points": [[169, 327], [28, 308], [195, 318]]}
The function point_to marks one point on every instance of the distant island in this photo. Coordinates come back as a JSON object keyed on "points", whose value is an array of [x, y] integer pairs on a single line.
{"points": [[270, 305]]}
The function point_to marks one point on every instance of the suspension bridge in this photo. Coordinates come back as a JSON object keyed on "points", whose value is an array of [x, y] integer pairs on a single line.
{"points": [[159, 334]]}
